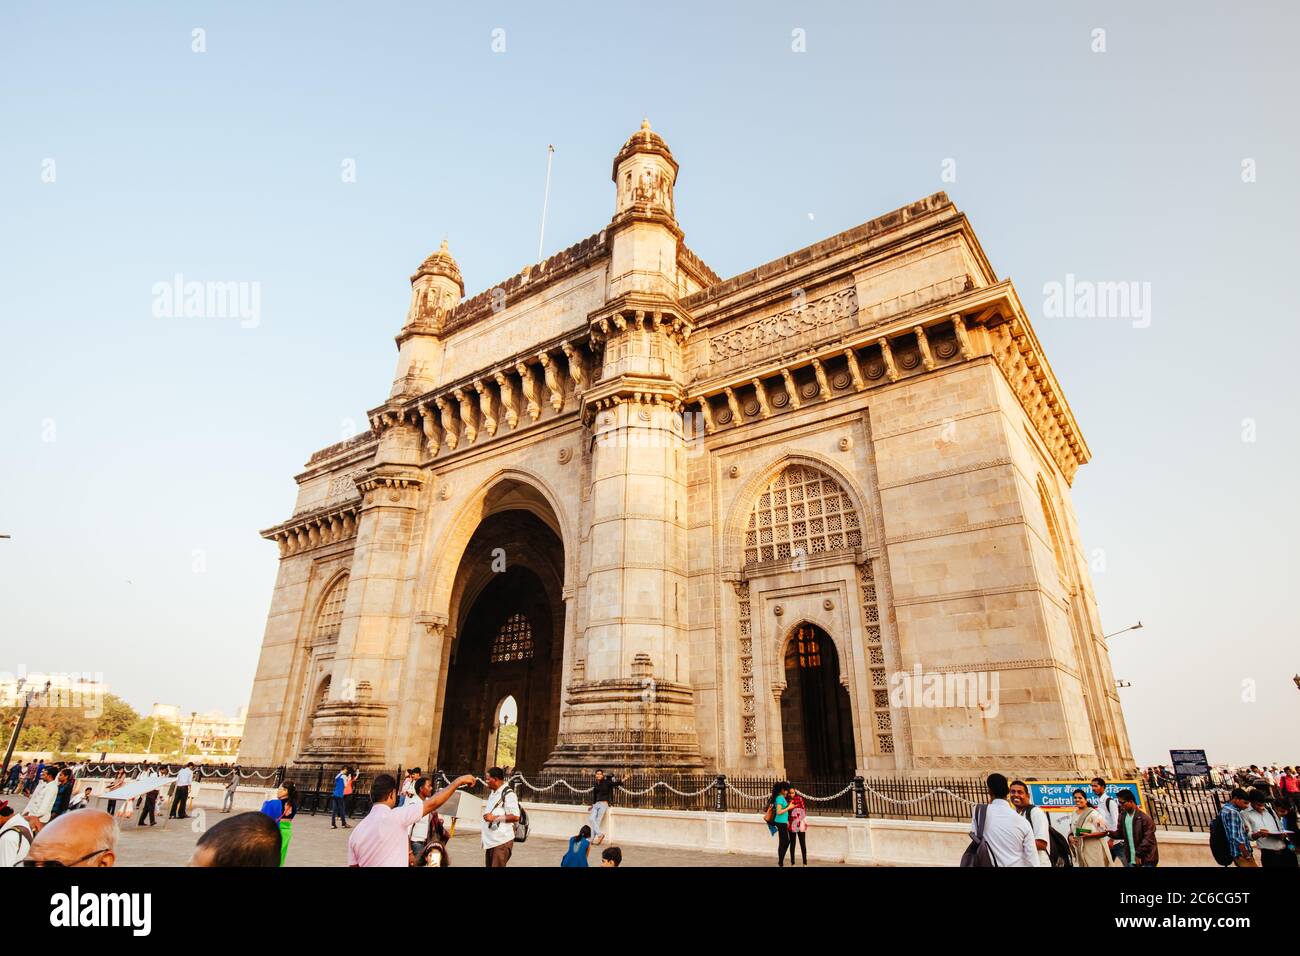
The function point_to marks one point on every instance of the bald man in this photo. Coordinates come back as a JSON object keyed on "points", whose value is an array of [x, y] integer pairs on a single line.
{"points": [[83, 838]]}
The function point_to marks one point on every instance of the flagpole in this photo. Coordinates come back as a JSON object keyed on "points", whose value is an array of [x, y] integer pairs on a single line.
{"points": [[546, 197]]}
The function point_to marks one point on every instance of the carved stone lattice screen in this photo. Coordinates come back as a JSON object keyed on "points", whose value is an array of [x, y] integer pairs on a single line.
{"points": [[330, 615], [803, 510], [748, 716], [881, 723], [514, 642]]}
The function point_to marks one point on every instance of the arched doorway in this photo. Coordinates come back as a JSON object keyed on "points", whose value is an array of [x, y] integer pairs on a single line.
{"points": [[816, 717], [508, 643], [503, 742], [309, 724]]}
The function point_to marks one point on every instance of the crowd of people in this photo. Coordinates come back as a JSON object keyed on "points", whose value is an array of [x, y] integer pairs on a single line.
{"points": [[1103, 829], [1254, 827], [401, 828], [1272, 778]]}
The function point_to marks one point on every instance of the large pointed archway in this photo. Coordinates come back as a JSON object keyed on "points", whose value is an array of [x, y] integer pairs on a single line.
{"points": [[816, 716], [508, 641]]}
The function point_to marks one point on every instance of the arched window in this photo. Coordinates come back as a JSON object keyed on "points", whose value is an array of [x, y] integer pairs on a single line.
{"points": [[804, 511], [514, 642], [807, 651], [330, 615], [1053, 529]]}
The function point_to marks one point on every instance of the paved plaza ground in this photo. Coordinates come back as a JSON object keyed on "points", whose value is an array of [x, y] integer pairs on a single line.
{"points": [[315, 844]]}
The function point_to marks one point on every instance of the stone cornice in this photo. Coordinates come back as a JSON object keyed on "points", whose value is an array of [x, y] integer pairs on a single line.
{"points": [[316, 528], [638, 310], [501, 398], [987, 321]]}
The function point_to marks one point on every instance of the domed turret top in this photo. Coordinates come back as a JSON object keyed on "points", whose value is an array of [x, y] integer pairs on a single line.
{"points": [[644, 140], [441, 264]]}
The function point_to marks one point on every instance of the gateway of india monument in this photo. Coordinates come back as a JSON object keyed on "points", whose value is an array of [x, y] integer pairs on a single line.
{"points": [[694, 524]]}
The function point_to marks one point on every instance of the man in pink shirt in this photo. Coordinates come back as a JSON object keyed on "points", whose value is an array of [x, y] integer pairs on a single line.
{"points": [[381, 838]]}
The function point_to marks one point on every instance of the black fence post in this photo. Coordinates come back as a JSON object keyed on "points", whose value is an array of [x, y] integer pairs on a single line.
{"points": [[720, 801], [320, 782], [859, 797]]}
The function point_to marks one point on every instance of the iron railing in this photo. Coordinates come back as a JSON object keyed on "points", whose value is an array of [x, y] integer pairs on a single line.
{"points": [[1188, 805]]}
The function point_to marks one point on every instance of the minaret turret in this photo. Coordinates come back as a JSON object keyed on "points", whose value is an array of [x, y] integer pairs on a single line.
{"points": [[436, 290], [644, 228]]}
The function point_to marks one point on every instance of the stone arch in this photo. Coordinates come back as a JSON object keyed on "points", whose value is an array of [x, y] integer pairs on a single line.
{"points": [[319, 696], [842, 651], [490, 497], [733, 544], [1054, 537], [819, 736]]}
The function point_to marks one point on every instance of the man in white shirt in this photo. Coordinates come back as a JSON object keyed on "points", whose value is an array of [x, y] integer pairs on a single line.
{"points": [[1008, 834], [184, 777], [500, 814], [383, 837], [1260, 821], [1037, 818], [15, 837], [41, 804], [408, 785]]}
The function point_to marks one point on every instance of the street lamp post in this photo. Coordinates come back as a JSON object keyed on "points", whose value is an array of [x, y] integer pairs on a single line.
{"points": [[1131, 627], [496, 750], [18, 725]]}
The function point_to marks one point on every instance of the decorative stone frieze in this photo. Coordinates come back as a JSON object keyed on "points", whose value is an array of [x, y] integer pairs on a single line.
{"points": [[315, 529]]}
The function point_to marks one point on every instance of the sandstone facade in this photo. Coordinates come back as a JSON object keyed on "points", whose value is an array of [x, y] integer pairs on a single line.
{"points": [[699, 524]]}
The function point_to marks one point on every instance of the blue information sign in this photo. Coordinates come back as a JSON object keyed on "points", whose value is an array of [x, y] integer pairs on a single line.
{"points": [[1057, 796]]}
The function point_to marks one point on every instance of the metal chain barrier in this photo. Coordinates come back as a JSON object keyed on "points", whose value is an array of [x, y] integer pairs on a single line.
{"points": [[531, 786], [907, 803], [669, 787], [833, 796]]}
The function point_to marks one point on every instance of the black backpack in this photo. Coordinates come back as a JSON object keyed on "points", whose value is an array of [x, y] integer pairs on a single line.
{"points": [[1219, 843], [521, 826], [979, 853], [1058, 847]]}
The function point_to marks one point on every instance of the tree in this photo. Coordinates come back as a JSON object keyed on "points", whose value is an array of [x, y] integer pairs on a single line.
{"points": [[117, 716], [164, 734]]}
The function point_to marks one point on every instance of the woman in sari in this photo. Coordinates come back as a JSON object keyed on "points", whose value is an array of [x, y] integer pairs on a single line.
{"points": [[1088, 833], [282, 808]]}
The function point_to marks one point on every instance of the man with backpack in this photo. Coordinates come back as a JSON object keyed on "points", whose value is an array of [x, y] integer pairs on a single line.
{"points": [[999, 835], [1045, 836], [1233, 842], [1136, 832], [500, 814], [15, 836]]}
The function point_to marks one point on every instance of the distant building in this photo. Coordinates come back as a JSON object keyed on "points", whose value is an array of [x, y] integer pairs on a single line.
{"points": [[75, 689], [211, 732]]}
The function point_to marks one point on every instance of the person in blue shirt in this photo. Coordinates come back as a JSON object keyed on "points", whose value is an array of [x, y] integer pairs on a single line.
{"points": [[282, 808], [578, 848], [1238, 838], [338, 806]]}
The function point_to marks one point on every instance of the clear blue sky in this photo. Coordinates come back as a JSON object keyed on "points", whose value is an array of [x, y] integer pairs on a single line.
{"points": [[172, 436]]}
